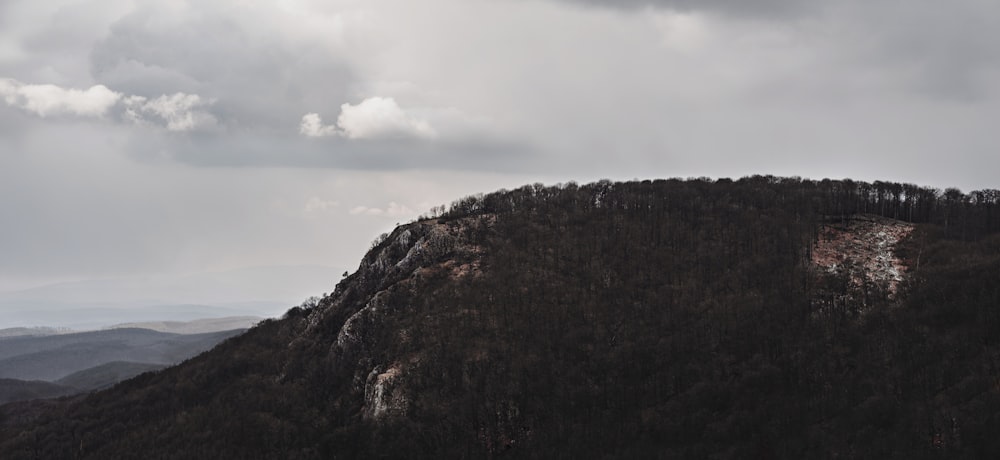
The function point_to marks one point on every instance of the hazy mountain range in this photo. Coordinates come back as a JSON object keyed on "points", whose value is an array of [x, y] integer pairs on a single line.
{"points": [[94, 304], [48, 362]]}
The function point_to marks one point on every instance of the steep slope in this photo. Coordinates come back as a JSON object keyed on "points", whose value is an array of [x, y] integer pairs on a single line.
{"points": [[670, 319]]}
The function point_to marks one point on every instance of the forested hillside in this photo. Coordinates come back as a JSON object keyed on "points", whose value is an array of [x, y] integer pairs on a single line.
{"points": [[654, 319]]}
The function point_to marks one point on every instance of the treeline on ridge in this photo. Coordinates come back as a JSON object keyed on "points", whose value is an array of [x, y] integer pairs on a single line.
{"points": [[962, 215]]}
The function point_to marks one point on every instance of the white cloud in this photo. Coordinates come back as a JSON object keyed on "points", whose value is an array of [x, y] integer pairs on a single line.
{"points": [[312, 126], [392, 210], [372, 118], [317, 204], [175, 112], [48, 100], [380, 117], [178, 112]]}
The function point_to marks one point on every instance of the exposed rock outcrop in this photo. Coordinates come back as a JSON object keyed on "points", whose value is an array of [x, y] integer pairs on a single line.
{"points": [[861, 249], [383, 395]]}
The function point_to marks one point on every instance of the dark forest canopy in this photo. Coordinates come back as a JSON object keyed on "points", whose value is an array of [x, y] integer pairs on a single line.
{"points": [[965, 215], [653, 319]]}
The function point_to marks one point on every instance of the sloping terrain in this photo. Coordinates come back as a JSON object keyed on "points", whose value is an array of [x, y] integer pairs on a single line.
{"points": [[666, 319]]}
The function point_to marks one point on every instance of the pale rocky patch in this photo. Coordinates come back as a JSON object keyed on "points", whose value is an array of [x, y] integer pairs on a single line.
{"points": [[863, 248]]}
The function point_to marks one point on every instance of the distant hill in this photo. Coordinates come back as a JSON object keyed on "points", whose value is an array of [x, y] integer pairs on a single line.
{"points": [[19, 390], [755, 318], [84, 316], [95, 378], [198, 326], [56, 356], [107, 374], [22, 331]]}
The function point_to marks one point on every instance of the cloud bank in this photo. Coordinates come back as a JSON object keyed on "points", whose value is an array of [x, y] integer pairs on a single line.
{"points": [[177, 134]]}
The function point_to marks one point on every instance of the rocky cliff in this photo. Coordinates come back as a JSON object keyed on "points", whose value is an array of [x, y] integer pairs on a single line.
{"points": [[385, 285]]}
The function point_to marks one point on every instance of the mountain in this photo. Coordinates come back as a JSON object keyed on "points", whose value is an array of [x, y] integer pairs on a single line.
{"points": [[86, 316], [759, 318], [34, 365]]}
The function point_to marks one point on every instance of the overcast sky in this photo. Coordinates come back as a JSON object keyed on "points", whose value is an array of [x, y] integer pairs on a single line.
{"points": [[180, 136]]}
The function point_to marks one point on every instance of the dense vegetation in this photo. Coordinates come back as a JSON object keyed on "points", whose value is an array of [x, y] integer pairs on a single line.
{"points": [[646, 319]]}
